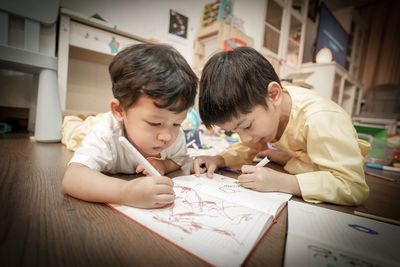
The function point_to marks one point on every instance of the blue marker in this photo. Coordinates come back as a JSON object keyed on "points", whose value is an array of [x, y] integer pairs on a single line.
{"points": [[382, 167]]}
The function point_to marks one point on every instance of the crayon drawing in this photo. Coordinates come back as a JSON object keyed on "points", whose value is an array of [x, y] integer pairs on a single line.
{"points": [[190, 213], [215, 219]]}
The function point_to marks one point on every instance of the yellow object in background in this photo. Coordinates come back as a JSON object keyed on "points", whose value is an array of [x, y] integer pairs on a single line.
{"points": [[74, 129]]}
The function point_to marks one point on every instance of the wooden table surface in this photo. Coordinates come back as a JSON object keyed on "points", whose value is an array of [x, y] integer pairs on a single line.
{"points": [[40, 226]]}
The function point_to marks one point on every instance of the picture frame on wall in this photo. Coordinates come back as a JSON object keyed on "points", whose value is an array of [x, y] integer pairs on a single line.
{"points": [[178, 24]]}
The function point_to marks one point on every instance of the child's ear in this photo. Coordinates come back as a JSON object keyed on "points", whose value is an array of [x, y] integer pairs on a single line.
{"points": [[116, 109], [275, 93]]}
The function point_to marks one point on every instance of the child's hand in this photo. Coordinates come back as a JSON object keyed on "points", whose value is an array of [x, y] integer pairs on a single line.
{"points": [[156, 162], [148, 192], [266, 180], [279, 157], [207, 163]]}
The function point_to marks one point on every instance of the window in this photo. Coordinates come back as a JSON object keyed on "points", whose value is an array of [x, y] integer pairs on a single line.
{"points": [[284, 29], [273, 24]]}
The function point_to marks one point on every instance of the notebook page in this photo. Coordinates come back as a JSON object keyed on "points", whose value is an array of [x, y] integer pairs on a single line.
{"points": [[229, 189], [323, 237], [218, 231]]}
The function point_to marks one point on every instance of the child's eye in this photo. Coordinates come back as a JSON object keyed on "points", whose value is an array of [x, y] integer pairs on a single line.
{"points": [[248, 127], [177, 125], [154, 123]]}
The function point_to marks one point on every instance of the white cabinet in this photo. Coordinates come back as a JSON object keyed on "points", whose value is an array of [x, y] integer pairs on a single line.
{"points": [[332, 81], [284, 32], [86, 47]]}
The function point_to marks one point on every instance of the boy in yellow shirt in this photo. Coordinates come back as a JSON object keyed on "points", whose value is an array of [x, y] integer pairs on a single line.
{"points": [[317, 143], [153, 88]]}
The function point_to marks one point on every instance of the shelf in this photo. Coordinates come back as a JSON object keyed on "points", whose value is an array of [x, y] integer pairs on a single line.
{"points": [[86, 47], [215, 38], [90, 55], [331, 81]]}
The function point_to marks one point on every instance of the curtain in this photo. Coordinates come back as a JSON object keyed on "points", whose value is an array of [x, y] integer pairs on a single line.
{"points": [[380, 58]]}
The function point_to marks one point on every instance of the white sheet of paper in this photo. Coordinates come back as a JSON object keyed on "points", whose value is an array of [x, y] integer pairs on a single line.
{"points": [[230, 190], [322, 237], [218, 230]]}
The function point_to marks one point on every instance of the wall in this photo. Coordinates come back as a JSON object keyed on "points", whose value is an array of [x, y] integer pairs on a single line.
{"points": [[16, 89], [147, 19], [150, 19], [252, 12]]}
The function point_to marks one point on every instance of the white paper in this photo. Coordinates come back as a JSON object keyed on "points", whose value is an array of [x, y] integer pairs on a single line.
{"points": [[323, 237], [207, 220], [229, 189]]}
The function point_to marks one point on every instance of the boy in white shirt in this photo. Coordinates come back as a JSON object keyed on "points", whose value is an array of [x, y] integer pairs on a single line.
{"points": [[153, 88]]}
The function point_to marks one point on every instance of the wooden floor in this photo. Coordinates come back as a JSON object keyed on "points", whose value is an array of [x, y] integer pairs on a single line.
{"points": [[40, 226]]}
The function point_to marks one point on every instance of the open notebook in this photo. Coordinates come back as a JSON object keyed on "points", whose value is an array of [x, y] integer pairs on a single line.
{"points": [[215, 219], [322, 237]]}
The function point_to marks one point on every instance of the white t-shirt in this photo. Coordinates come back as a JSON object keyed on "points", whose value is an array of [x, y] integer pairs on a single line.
{"points": [[101, 151]]}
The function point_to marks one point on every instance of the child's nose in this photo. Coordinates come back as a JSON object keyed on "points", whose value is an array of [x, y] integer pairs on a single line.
{"points": [[164, 136]]}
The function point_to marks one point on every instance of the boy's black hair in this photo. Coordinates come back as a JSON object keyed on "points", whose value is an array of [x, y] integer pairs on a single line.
{"points": [[154, 70], [232, 83]]}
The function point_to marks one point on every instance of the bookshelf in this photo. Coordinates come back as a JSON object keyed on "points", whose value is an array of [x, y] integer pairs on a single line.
{"points": [[218, 36]]}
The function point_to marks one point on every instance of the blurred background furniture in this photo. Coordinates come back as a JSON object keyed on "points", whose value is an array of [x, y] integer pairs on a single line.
{"points": [[86, 46], [27, 45], [381, 107]]}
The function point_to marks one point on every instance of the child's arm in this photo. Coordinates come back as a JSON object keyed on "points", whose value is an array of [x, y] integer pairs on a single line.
{"points": [[267, 180], [144, 192], [240, 153], [331, 167], [236, 155]]}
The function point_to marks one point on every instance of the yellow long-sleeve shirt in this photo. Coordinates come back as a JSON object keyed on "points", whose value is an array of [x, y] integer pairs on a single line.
{"points": [[327, 157]]}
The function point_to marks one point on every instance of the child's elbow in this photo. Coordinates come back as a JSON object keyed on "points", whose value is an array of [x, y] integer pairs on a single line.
{"points": [[356, 201], [358, 195], [67, 180]]}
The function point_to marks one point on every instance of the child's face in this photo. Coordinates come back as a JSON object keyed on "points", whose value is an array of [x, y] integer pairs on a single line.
{"points": [[151, 129], [260, 125]]}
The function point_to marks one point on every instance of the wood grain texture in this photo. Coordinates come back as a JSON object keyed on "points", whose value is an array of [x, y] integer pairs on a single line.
{"points": [[383, 200], [40, 226]]}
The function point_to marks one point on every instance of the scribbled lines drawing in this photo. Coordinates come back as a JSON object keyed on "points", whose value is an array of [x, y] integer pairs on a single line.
{"points": [[326, 257], [230, 188], [190, 207]]}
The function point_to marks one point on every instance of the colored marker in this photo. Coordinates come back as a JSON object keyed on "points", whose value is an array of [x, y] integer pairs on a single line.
{"points": [[382, 167]]}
